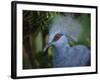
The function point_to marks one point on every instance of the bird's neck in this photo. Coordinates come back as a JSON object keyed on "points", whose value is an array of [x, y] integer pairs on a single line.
{"points": [[59, 55], [61, 49]]}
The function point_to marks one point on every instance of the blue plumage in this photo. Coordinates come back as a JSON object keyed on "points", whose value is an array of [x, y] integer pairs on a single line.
{"points": [[66, 56]]}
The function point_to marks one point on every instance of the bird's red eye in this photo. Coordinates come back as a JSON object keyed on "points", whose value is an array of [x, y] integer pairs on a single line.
{"points": [[57, 37]]}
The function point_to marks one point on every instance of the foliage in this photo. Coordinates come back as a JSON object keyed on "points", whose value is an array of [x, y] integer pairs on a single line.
{"points": [[35, 29]]}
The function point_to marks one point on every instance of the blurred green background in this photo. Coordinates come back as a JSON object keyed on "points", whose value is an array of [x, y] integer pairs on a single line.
{"points": [[35, 37]]}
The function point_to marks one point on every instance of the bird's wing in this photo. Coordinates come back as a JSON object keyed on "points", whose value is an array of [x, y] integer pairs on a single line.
{"points": [[79, 56]]}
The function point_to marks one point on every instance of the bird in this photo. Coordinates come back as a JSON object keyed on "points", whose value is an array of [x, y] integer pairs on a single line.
{"points": [[62, 30], [66, 56]]}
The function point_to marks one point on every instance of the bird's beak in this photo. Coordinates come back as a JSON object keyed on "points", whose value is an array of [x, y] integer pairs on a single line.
{"points": [[46, 47]]}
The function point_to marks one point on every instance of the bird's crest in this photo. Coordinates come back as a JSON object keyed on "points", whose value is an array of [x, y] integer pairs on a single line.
{"points": [[64, 25]]}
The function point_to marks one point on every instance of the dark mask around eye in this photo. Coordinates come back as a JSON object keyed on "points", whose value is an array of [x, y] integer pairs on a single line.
{"points": [[57, 37]]}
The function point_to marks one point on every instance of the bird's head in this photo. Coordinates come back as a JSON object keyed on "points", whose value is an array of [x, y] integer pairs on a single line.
{"points": [[59, 40]]}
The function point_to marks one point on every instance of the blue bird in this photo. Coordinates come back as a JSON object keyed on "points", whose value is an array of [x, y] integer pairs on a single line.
{"points": [[62, 30], [66, 56]]}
